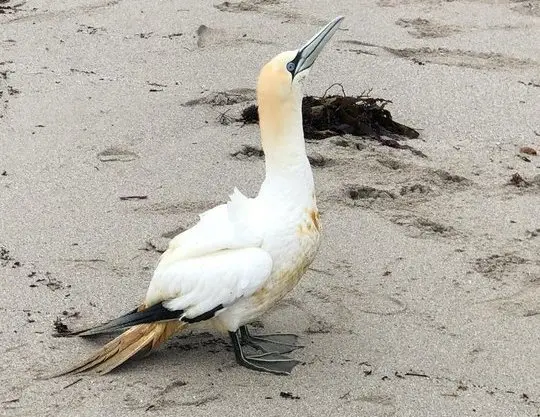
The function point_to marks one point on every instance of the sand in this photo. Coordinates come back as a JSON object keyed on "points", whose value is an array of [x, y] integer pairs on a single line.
{"points": [[424, 299]]}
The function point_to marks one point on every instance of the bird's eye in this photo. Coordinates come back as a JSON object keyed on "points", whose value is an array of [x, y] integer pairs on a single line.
{"points": [[291, 66]]}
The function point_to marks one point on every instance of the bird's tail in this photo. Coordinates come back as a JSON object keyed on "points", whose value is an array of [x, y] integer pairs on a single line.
{"points": [[140, 338]]}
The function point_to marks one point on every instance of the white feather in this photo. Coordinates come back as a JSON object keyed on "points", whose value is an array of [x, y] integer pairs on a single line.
{"points": [[216, 230], [198, 285], [217, 261]]}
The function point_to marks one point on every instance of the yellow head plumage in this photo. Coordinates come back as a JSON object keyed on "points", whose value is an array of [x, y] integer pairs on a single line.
{"points": [[279, 89]]}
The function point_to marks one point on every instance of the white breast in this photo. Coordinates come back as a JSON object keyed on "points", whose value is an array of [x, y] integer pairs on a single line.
{"points": [[292, 240]]}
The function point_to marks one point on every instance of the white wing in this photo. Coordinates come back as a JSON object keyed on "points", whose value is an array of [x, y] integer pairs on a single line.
{"points": [[216, 262], [228, 226], [198, 285]]}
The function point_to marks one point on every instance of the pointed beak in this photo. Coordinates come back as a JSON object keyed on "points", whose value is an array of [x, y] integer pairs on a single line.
{"points": [[310, 51]]}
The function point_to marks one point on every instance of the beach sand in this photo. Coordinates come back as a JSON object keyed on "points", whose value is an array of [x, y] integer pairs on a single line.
{"points": [[424, 299]]}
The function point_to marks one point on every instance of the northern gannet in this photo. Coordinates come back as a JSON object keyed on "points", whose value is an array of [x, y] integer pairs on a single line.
{"points": [[242, 256]]}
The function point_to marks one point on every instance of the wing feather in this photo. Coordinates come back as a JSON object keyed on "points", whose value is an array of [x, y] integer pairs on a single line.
{"points": [[228, 226], [216, 262], [197, 285]]}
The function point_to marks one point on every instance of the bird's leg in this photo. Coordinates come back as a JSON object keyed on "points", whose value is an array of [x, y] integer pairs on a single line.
{"points": [[278, 343], [272, 362]]}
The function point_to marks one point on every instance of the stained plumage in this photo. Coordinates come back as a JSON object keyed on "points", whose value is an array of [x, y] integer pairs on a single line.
{"points": [[243, 256]]}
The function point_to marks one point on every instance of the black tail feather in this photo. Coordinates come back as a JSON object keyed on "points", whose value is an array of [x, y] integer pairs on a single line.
{"points": [[150, 315]]}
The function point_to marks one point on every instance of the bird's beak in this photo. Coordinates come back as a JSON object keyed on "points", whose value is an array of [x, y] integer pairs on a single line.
{"points": [[308, 53]]}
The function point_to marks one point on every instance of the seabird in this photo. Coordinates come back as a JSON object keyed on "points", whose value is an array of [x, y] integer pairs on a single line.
{"points": [[242, 257]]}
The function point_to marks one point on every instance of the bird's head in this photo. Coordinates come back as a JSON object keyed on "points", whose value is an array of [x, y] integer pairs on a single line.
{"points": [[281, 79], [279, 88]]}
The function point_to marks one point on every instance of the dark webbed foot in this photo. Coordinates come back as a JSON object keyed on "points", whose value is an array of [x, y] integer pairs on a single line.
{"points": [[270, 343], [272, 362]]}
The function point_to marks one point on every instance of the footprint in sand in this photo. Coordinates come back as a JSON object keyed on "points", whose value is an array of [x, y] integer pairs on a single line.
{"points": [[366, 196], [497, 266], [207, 36], [527, 8], [460, 58], [245, 5], [524, 303], [115, 154], [274, 8], [421, 227], [423, 28], [224, 98]]}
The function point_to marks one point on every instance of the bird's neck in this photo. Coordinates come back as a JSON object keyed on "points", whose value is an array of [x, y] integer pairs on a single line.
{"points": [[288, 171]]}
